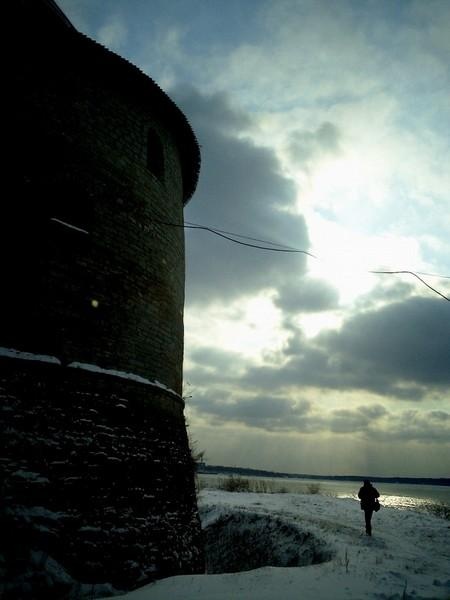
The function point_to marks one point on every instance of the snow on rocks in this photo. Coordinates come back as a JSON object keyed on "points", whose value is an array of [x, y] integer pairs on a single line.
{"points": [[407, 557]]}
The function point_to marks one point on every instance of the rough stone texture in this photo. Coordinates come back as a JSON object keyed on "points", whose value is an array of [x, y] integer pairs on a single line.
{"points": [[109, 499], [98, 482], [85, 165]]}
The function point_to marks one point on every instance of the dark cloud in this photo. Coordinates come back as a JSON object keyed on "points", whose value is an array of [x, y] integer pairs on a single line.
{"points": [[405, 426], [439, 415], [241, 189], [407, 341], [412, 425], [373, 411], [401, 350], [306, 295], [215, 358], [305, 147], [272, 413], [387, 291], [355, 420], [369, 422], [212, 112], [268, 398], [209, 365]]}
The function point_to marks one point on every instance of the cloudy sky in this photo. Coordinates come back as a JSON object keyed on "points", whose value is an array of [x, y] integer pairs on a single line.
{"points": [[324, 126]]}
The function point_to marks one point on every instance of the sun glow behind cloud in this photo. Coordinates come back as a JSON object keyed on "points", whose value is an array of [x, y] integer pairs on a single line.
{"points": [[348, 180], [345, 257], [339, 198], [249, 327]]}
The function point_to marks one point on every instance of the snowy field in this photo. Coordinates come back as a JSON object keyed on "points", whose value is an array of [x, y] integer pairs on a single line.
{"points": [[408, 555]]}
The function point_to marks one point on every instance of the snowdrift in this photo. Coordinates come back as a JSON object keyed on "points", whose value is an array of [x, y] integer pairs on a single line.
{"points": [[320, 550]]}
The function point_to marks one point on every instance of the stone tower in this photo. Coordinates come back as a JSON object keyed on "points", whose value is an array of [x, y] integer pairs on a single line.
{"points": [[97, 476]]}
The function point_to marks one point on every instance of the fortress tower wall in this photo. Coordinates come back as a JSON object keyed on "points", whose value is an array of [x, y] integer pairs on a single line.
{"points": [[98, 480], [99, 277]]}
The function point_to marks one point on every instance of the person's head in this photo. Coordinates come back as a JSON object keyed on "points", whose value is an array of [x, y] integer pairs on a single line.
{"points": [[367, 482]]}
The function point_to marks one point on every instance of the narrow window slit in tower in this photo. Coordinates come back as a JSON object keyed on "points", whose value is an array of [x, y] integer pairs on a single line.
{"points": [[155, 154]]}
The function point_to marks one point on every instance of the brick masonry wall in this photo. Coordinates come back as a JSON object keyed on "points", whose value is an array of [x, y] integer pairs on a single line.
{"points": [[97, 477], [109, 499], [82, 151]]}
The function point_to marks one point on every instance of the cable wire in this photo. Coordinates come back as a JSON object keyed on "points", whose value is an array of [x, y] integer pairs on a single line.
{"points": [[218, 232], [434, 275], [415, 275], [289, 249], [245, 237]]}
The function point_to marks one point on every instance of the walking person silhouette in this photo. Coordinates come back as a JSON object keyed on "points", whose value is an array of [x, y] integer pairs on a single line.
{"points": [[369, 503]]}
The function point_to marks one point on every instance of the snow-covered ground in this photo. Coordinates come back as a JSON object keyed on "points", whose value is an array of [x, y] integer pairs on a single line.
{"points": [[408, 555]]}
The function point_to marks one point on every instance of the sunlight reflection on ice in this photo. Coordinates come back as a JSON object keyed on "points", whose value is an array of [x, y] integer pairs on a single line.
{"points": [[400, 502], [423, 498]]}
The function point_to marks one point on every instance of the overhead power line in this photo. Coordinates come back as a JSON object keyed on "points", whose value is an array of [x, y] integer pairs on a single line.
{"points": [[244, 237], [417, 276], [434, 275], [272, 248], [276, 247]]}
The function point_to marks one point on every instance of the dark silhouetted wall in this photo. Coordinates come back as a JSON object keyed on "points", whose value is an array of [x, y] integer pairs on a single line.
{"points": [[98, 476]]}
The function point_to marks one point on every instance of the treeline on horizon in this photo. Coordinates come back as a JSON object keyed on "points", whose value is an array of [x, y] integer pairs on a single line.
{"points": [[221, 470]]}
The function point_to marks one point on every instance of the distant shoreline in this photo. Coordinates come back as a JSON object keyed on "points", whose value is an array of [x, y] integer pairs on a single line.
{"points": [[222, 470]]}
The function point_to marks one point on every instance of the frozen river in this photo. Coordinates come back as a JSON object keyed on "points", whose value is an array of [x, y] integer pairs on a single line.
{"points": [[397, 495]]}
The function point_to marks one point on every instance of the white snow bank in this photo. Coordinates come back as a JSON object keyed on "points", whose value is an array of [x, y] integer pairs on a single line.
{"points": [[407, 557]]}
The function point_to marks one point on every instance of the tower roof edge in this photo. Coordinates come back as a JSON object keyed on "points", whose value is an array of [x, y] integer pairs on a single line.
{"points": [[36, 15]]}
